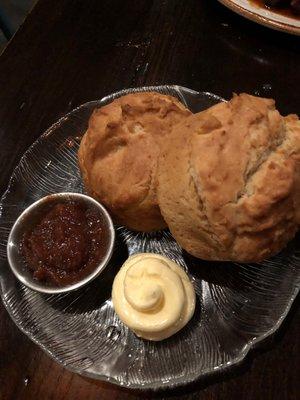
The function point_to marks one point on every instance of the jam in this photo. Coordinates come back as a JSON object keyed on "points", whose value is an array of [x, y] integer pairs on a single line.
{"points": [[66, 244]]}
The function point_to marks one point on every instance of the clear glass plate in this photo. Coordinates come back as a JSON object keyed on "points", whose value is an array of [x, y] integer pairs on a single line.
{"points": [[237, 305]]}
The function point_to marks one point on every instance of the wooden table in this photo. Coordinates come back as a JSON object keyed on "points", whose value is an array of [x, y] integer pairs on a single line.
{"points": [[71, 51]]}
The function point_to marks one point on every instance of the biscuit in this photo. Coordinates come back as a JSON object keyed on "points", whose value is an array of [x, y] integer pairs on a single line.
{"points": [[118, 155], [229, 186]]}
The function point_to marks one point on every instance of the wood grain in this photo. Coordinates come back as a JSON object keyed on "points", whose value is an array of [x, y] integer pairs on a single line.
{"points": [[72, 51]]}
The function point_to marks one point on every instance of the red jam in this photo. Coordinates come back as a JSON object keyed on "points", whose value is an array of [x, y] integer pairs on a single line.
{"points": [[67, 244]]}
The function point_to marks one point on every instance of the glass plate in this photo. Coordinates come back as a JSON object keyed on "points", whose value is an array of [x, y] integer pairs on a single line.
{"points": [[237, 305]]}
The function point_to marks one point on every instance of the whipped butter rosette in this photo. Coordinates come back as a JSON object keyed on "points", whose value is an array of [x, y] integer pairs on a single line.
{"points": [[153, 296]]}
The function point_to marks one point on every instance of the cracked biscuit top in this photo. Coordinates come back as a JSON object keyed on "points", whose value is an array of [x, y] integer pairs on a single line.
{"points": [[119, 152], [229, 186]]}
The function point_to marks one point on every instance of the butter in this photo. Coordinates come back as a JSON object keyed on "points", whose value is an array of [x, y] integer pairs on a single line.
{"points": [[153, 296]]}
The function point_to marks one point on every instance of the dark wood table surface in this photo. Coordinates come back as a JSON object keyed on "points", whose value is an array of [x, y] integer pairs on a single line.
{"points": [[68, 52]]}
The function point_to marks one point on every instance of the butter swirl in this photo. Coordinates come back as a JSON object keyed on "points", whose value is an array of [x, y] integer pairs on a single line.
{"points": [[153, 296]]}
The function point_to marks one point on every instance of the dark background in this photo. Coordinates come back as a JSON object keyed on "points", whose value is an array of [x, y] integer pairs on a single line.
{"points": [[13, 13], [71, 51]]}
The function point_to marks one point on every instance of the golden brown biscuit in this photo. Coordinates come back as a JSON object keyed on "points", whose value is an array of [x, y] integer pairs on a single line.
{"points": [[229, 184], [119, 152]]}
